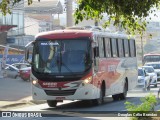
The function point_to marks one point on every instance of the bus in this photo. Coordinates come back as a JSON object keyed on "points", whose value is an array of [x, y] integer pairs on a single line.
{"points": [[151, 57], [82, 65]]}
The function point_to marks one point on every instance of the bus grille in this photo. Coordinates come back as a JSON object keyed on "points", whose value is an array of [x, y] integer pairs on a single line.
{"points": [[60, 92]]}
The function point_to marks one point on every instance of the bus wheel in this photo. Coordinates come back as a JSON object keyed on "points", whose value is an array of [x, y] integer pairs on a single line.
{"points": [[115, 97], [100, 100], [148, 88], [124, 94], [155, 85], [52, 103]]}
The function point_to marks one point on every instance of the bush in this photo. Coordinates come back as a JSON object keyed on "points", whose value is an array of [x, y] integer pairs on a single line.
{"points": [[147, 105]]}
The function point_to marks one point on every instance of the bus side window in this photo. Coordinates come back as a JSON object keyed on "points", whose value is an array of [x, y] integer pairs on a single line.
{"points": [[101, 47], [96, 58], [96, 52], [107, 47], [132, 48], [126, 48], [120, 48], [114, 47]]}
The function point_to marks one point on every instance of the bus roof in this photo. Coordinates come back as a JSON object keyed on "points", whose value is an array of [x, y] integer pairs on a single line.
{"points": [[60, 34], [75, 33], [150, 54]]}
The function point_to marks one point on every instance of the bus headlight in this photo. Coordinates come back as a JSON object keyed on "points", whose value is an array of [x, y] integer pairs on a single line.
{"points": [[34, 82], [87, 80]]}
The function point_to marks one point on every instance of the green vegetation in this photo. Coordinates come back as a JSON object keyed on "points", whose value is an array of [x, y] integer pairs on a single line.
{"points": [[126, 14], [148, 104]]}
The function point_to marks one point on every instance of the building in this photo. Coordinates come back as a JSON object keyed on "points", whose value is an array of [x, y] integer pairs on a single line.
{"points": [[42, 14], [12, 24]]}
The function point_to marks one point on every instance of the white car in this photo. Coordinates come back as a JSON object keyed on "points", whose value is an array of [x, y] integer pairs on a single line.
{"points": [[153, 75], [143, 79], [11, 71], [156, 66]]}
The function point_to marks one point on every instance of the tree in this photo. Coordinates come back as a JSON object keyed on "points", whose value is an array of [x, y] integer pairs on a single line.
{"points": [[128, 14], [6, 5]]}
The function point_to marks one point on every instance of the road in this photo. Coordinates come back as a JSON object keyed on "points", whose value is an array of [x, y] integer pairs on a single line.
{"points": [[17, 89], [109, 105], [80, 110], [14, 89], [77, 110]]}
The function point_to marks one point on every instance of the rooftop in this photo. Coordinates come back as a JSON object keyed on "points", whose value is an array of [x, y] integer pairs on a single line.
{"points": [[44, 6]]}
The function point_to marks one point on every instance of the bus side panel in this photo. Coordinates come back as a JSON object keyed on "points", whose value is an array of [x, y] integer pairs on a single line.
{"points": [[115, 71], [131, 72], [108, 71]]}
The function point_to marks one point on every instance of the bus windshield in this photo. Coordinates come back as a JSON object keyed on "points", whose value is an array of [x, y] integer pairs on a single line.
{"points": [[60, 57]]}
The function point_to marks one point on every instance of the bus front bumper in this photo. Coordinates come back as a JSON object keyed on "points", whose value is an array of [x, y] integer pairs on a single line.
{"points": [[86, 92]]}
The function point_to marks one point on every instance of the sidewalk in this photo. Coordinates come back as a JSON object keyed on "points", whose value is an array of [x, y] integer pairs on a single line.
{"points": [[25, 101], [5, 104]]}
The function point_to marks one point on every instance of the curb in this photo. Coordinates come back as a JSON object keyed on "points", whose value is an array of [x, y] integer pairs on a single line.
{"points": [[37, 102], [20, 103], [12, 105]]}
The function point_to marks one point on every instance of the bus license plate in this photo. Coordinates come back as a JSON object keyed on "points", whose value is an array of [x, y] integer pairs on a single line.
{"points": [[60, 98]]}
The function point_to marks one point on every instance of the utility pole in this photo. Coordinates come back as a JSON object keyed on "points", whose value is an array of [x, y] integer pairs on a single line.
{"points": [[69, 11], [142, 48]]}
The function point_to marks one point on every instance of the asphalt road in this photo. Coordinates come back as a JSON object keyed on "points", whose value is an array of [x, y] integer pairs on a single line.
{"points": [[70, 110], [14, 89], [78, 110]]}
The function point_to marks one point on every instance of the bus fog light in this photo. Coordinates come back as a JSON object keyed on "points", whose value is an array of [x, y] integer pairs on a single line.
{"points": [[88, 80]]}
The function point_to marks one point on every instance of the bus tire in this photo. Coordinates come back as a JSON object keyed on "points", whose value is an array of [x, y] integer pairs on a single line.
{"points": [[148, 88], [124, 94], [52, 103], [155, 85], [100, 100], [115, 97]]}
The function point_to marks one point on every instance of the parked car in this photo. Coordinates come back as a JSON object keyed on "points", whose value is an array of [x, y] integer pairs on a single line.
{"points": [[25, 73], [156, 66], [11, 71], [153, 75], [143, 79]]}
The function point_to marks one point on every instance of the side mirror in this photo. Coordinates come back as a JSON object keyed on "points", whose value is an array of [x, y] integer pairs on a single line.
{"points": [[27, 59]]}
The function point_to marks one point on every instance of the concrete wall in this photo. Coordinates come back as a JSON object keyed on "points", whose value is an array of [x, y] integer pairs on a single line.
{"points": [[3, 36]]}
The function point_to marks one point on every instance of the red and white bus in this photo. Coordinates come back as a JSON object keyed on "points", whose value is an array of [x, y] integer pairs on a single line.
{"points": [[82, 65], [151, 57]]}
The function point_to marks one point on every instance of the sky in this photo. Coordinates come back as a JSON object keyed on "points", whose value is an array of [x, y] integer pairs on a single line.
{"points": [[154, 18]]}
